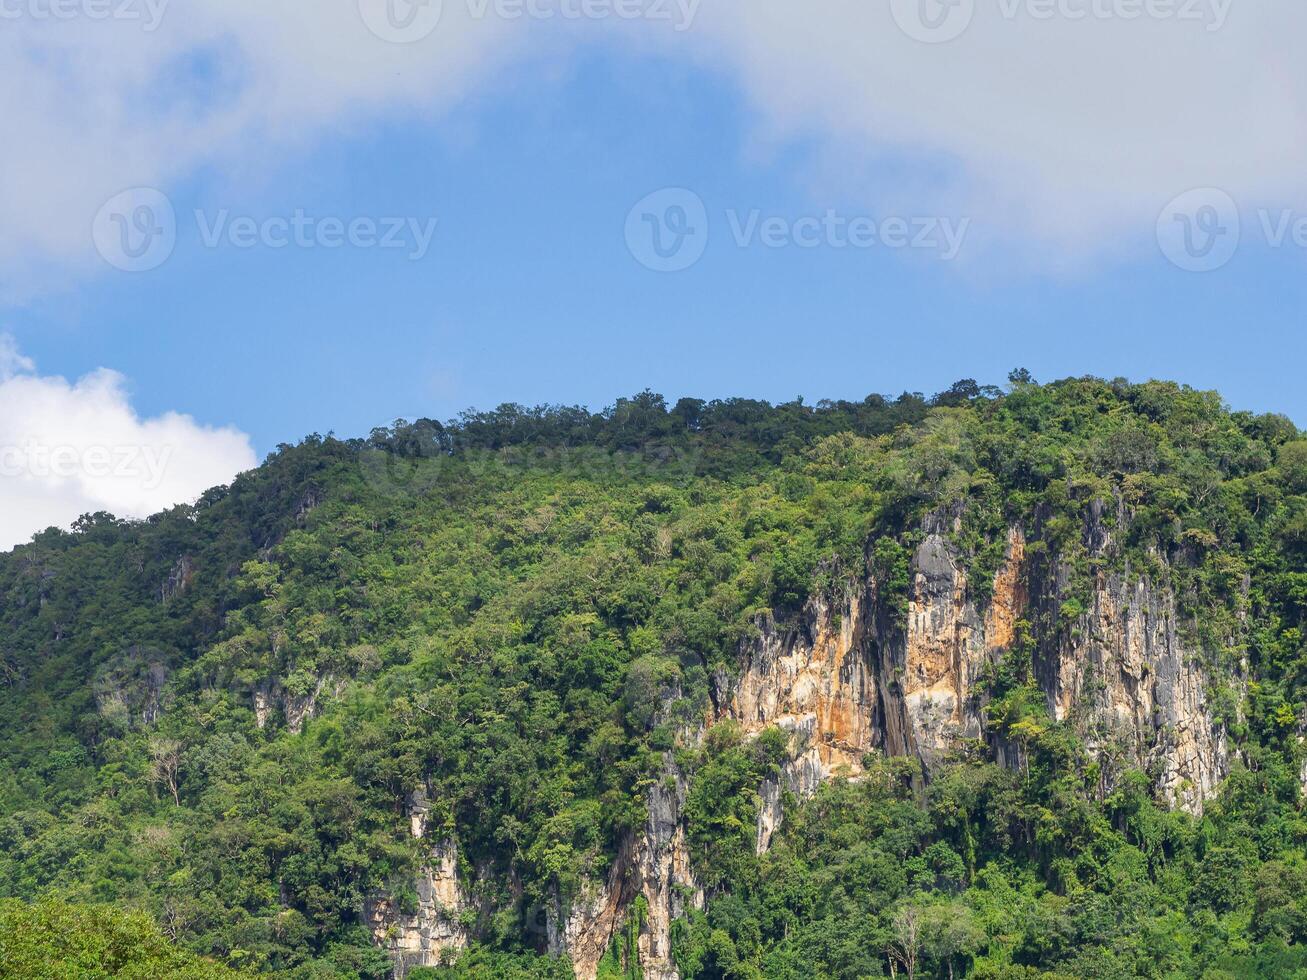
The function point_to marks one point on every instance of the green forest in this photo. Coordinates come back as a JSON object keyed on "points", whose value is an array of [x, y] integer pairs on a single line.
{"points": [[212, 723]]}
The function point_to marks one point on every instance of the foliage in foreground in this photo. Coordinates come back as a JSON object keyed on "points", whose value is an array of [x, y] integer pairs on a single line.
{"points": [[54, 941]]}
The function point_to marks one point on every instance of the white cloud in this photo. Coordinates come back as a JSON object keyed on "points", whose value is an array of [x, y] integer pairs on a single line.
{"points": [[1070, 132], [106, 105], [1062, 136], [67, 449]]}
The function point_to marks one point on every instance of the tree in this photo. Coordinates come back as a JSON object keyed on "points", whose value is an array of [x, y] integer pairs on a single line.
{"points": [[1293, 465], [949, 933], [905, 940], [165, 765], [53, 940]]}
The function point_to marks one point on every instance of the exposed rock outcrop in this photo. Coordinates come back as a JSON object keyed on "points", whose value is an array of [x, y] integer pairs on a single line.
{"points": [[270, 697], [655, 866], [800, 776], [583, 929], [815, 682], [1129, 684], [179, 579], [943, 654], [423, 936], [132, 690], [666, 879], [848, 682]]}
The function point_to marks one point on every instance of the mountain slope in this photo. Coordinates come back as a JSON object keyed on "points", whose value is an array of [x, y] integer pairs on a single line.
{"points": [[998, 683]]}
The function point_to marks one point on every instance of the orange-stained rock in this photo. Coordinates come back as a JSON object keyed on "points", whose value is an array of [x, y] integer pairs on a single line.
{"points": [[1009, 602], [815, 683]]}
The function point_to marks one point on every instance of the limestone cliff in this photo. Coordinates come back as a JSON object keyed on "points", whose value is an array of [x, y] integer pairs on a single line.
{"points": [[848, 681], [1128, 682], [272, 699], [421, 936], [656, 867], [857, 674]]}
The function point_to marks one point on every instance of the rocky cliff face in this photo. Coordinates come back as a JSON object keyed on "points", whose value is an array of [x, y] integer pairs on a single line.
{"points": [[846, 682], [854, 677], [655, 867], [271, 699], [1128, 682], [422, 936]]}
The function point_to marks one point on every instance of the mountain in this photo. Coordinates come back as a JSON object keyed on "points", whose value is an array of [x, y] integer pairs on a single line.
{"points": [[1000, 683]]}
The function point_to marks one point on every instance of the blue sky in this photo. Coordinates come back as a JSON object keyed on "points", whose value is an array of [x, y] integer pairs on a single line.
{"points": [[529, 291], [530, 294]]}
